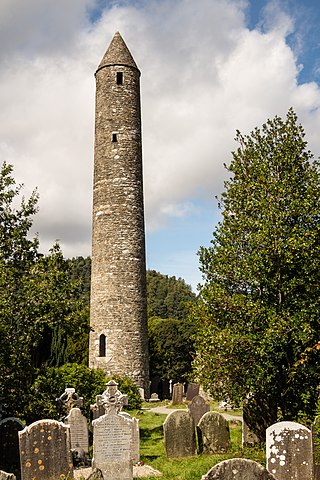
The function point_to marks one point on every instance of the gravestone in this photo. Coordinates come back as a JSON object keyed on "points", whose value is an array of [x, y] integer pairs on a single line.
{"points": [[177, 394], [238, 469], [213, 433], [198, 408], [70, 399], [78, 433], [45, 451], [110, 396], [179, 434], [9, 443], [154, 398], [135, 440], [112, 437], [289, 451], [6, 476], [249, 438], [315, 429], [192, 391]]}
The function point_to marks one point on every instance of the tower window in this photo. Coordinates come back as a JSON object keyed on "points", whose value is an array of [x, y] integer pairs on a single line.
{"points": [[102, 346], [119, 78], [114, 137]]}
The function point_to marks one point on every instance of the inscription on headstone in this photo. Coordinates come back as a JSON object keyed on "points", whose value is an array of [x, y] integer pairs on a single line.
{"points": [[45, 451], [112, 436], [9, 443], [135, 440], [78, 432], [289, 451]]}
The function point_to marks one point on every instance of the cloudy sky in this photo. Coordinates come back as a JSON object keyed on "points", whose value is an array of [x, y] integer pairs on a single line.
{"points": [[208, 67]]}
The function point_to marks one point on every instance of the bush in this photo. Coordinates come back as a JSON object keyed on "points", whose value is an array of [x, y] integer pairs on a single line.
{"points": [[88, 383]]}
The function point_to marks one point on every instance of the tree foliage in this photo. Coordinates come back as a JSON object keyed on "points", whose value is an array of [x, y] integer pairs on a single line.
{"points": [[171, 346], [38, 306], [258, 309], [171, 342], [168, 297]]}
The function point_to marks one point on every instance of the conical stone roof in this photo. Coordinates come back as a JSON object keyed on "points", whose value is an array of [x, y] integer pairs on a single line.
{"points": [[117, 54]]}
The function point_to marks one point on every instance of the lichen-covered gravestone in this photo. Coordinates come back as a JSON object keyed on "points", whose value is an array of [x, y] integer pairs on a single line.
{"points": [[177, 394], [78, 432], [238, 469], [112, 437], [213, 433], [9, 443], [45, 451], [289, 451], [198, 408], [179, 434]]}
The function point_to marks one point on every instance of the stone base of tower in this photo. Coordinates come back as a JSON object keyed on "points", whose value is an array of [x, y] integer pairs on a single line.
{"points": [[123, 365]]}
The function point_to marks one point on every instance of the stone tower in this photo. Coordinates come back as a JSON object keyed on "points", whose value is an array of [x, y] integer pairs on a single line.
{"points": [[118, 311]]}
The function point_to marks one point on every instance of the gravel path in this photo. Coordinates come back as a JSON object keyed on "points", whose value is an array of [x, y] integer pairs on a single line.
{"points": [[166, 411]]}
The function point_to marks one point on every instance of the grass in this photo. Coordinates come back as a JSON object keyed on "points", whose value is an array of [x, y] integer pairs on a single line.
{"points": [[192, 468]]}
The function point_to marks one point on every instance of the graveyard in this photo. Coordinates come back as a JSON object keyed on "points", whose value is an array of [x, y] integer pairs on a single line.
{"points": [[178, 439]]}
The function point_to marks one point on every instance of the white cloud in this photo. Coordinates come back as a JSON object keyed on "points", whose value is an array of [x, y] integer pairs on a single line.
{"points": [[204, 74]]}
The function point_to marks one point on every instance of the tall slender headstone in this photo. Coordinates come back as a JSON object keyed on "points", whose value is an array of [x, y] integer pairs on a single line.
{"points": [[118, 310]]}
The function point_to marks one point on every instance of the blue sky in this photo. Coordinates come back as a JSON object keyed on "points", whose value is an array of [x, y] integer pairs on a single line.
{"points": [[208, 68]]}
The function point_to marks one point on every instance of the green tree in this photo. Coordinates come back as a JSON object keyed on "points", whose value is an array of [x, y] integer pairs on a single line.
{"points": [[167, 297], [171, 346], [171, 342], [258, 309], [38, 306]]}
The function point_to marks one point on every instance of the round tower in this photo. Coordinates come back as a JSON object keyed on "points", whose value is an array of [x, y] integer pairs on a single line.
{"points": [[118, 310]]}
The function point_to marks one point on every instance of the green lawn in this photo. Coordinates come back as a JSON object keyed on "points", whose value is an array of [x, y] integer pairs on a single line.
{"points": [[191, 468]]}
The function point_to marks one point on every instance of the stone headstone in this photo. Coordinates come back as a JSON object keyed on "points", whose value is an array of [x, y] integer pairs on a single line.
{"points": [[111, 398], [198, 408], [192, 391], [112, 437], [135, 440], [238, 469], [70, 399], [289, 451], [315, 429], [177, 394], [9, 442], [78, 432], [6, 476], [249, 438], [179, 434], [45, 451], [154, 397], [213, 433]]}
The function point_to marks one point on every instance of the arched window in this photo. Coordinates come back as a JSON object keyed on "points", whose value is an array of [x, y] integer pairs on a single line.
{"points": [[102, 345]]}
